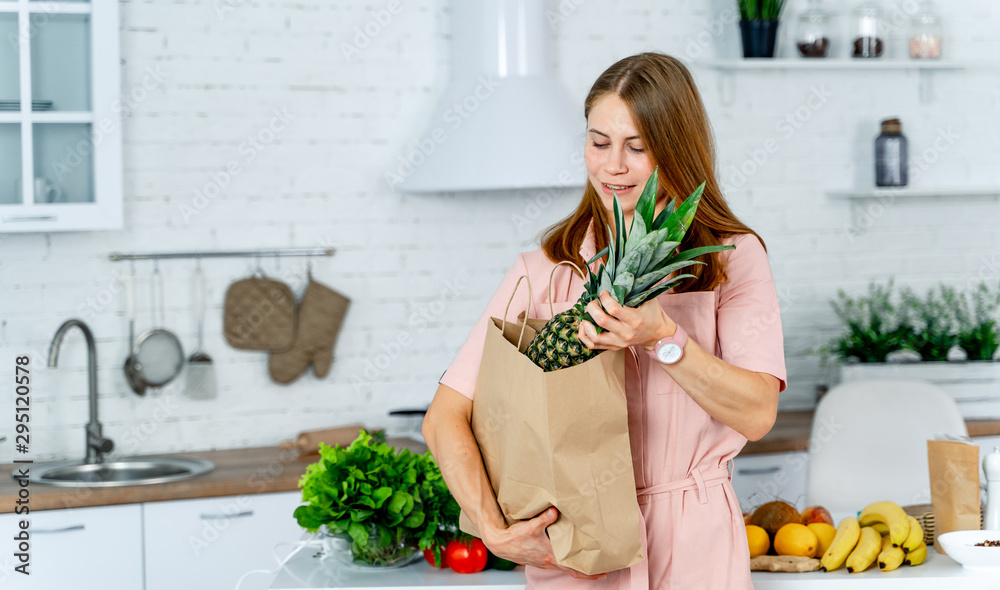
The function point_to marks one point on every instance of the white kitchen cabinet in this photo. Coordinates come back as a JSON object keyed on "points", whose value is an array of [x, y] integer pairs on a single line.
{"points": [[211, 543], [60, 116], [774, 476], [80, 548]]}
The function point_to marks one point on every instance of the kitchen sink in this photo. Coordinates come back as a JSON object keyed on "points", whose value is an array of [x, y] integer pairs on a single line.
{"points": [[124, 471]]}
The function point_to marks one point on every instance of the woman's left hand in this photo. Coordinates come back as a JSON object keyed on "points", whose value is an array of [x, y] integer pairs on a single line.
{"points": [[625, 326]]}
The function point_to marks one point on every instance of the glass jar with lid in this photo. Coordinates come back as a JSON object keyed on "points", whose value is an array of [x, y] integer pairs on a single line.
{"points": [[925, 35], [867, 39], [813, 34]]}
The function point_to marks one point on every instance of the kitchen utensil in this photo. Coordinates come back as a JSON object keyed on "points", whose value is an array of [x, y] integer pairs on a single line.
{"points": [[308, 441], [157, 356], [991, 468], [413, 419], [131, 375], [200, 378]]}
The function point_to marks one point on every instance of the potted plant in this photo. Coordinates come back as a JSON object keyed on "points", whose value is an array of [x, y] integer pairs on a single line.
{"points": [[976, 314], [947, 337], [873, 327], [759, 26], [384, 505], [931, 322]]}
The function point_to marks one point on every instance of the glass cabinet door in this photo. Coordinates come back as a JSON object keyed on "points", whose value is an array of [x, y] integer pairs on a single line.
{"points": [[10, 83], [10, 163], [59, 78], [10, 102], [60, 62]]}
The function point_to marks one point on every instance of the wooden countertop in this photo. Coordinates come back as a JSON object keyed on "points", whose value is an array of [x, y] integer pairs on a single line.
{"points": [[791, 432], [264, 470], [258, 470]]}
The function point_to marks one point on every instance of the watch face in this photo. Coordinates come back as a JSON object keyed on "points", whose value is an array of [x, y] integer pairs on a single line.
{"points": [[669, 353]]}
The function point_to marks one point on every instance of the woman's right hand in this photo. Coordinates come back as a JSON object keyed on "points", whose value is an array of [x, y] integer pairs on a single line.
{"points": [[527, 543]]}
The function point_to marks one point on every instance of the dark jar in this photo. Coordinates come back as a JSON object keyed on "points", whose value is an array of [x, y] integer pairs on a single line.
{"points": [[891, 155]]}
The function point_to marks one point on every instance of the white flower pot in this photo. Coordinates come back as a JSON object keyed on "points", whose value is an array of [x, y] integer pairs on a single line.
{"points": [[975, 385]]}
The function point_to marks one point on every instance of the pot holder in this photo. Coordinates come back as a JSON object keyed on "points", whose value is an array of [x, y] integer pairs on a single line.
{"points": [[259, 314]]}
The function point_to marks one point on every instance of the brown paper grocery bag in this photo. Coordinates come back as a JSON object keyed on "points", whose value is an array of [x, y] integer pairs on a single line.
{"points": [[559, 439], [954, 472]]}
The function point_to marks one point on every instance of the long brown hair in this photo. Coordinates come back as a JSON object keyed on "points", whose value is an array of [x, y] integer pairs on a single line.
{"points": [[666, 108]]}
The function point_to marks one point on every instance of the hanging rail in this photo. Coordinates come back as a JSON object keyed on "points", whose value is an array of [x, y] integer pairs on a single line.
{"points": [[118, 256]]}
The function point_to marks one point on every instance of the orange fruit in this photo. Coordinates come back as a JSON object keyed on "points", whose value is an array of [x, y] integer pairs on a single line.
{"points": [[824, 535], [758, 540], [795, 539]]}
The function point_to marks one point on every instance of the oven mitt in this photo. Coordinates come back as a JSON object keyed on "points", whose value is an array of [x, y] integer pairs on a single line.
{"points": [[320, 316]]}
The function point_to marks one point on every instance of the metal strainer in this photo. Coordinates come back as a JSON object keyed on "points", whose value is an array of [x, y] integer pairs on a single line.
{"points": [[156, 357]]}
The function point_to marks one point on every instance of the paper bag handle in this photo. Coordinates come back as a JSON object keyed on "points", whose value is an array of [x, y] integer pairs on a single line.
{"points": [[552, 274], [503, 326]]}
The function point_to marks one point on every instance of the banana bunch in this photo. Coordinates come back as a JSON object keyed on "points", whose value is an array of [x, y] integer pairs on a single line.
{"points": [[882, 534]]}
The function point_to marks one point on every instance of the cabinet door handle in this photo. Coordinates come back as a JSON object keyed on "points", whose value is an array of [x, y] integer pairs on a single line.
{"points": [[65, 529], [12, 218], [225, 516], [759, 470]]}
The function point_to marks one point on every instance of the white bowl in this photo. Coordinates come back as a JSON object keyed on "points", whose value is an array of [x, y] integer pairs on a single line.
{"points": [[961, 546]]}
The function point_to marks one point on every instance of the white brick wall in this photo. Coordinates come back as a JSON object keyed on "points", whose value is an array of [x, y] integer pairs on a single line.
{"points": [[321, 182]]}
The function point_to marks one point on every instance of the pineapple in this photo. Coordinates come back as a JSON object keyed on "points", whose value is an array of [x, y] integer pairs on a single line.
{"points": [[637, 263]]}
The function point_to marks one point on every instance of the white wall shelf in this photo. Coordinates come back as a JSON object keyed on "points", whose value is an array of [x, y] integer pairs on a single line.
{"points": [[830, 64], [865, 204], [925, 68], [911, 193]]}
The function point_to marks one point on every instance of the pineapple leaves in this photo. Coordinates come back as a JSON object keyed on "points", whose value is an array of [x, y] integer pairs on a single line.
{"points": [[695, 252], [665, 214], [624, 281], [619, 236], [646, 205], [646, 281], [679, 222], [656, 291], [662, 252], [598, 256]]}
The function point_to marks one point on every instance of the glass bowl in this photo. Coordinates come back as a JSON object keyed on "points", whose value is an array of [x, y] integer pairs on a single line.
{"points": [[337, 547]]}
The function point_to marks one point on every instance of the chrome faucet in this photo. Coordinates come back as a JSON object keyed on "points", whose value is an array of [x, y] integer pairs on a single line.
{"points": [[97, 445]]}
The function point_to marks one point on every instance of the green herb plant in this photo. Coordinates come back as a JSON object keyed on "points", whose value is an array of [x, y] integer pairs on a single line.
{"points": [[760, 9], [873, 329], [932, 321], [389, 503], [976, 313]]}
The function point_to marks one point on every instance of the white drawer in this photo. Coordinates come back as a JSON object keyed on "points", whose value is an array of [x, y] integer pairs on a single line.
{"points": [[758, 479], [211, 543], [81, 548]]}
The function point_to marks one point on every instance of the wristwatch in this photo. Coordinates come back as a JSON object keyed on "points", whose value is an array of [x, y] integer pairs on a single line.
{"points": [[670, 350]]}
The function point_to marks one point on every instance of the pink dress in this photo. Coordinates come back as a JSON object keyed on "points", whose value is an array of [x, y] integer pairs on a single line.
{"points": [[693, 529]]}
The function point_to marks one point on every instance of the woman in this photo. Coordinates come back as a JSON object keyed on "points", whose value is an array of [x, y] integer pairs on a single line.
{"points": [[688, 419]]}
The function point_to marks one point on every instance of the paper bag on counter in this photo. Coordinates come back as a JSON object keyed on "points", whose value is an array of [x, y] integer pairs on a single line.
{"points": [[954, 475], [559, 439]]}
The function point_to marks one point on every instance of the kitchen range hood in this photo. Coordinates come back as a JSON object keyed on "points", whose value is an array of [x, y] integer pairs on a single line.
{"points": [[504, 121]]}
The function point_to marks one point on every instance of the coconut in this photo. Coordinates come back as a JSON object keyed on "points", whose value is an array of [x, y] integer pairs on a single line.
{"points": [[774, 515]]}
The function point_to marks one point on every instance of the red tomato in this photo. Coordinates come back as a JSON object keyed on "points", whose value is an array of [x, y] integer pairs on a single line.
{"points": [[429, 556], [466, 558]]}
